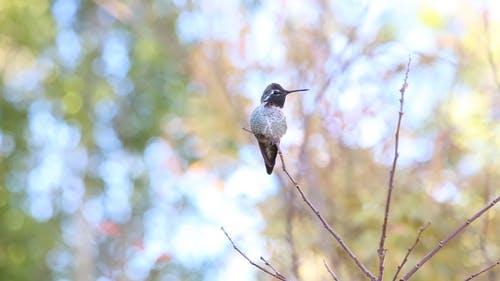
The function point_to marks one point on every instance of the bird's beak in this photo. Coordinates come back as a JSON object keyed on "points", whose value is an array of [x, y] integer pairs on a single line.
{"points": [[293, 91]]}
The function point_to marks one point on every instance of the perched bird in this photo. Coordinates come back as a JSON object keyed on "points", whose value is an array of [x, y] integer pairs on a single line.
{"points": [[268, 123]]}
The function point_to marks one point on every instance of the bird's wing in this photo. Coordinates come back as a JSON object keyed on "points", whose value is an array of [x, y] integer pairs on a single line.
{"points": [[269, 153]]}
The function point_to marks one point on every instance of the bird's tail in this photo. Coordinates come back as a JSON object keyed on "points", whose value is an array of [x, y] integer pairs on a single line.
{"points": [[269, 153]]}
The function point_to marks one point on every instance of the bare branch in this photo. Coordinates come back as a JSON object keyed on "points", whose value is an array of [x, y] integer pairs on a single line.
{"points": [[330, 230], [405, 259], [381, 248], [486, 226], [334, 276], [272, 267], [452, 235], [276, 274], [482, 271]]}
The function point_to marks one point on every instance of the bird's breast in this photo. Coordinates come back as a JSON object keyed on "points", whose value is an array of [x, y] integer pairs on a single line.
{"points": [[268, 121]]}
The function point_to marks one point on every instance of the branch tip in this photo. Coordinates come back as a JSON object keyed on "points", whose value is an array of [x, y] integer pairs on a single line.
{"points": [[381, 248], [490, 267], [405, 259]]}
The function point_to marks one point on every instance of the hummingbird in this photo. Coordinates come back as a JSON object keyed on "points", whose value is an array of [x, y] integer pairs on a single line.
{"points": [[268, 123]]}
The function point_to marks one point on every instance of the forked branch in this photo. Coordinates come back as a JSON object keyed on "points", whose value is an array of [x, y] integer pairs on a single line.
{"points": [[452, 235], [274, 274], [271, 267], [381, 248]]}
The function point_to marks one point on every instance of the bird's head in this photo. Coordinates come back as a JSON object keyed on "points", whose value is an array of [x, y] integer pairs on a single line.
{"points": [[275, 95]]}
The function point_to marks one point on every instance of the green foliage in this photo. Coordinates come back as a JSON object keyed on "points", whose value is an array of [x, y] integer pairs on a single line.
{"points": [[118, 121], [17, 19]]}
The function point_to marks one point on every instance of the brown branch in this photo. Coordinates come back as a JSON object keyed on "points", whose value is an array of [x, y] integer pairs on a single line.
{"points": [[330, 230], [452, 235], [272, 267], [276, 274], [405, 259], [381, 248], [482, 238], [483, 271], [334, 276]]}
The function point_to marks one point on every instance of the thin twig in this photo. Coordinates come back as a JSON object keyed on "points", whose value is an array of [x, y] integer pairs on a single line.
{"points": [[491, 266], [381, 248], [330, 230], [334, 276], [276, 274], [271, 267], [405, 259], [452, 235], [485, 230]]}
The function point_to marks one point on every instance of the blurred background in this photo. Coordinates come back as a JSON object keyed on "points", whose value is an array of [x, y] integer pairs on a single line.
{"points": [[122, 153]]}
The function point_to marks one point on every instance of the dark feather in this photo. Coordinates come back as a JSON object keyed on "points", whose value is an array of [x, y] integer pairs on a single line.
{"points": [[269, 152]]}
